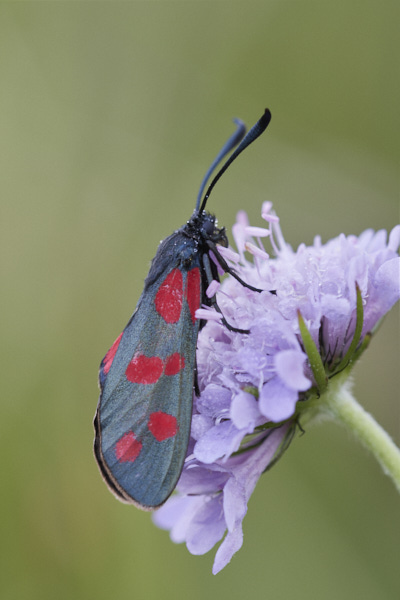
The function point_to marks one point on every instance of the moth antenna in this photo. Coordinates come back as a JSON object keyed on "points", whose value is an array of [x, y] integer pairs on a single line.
{"points": [[227, 147], [251, 136]]}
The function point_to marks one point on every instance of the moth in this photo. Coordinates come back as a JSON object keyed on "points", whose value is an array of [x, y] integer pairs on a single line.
{"points": [[148, 376]]}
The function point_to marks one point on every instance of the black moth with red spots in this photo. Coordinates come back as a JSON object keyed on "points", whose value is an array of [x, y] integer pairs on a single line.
{"points": [[147, 378]]}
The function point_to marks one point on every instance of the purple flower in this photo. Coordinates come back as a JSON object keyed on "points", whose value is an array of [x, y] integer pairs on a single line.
{"points": [[213, 498], [251, 384]]}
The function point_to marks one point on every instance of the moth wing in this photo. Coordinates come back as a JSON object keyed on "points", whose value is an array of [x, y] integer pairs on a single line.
{"points": [[144, 412]]}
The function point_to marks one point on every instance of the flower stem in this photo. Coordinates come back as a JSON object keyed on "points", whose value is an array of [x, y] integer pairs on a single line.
{"points": [[340, 404]]}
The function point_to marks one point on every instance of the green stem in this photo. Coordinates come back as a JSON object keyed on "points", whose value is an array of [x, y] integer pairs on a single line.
{"points": [[340, 404]]}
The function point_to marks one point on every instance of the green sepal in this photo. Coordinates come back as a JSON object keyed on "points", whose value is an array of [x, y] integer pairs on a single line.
{"points": [[251, 389], [314, 357]]}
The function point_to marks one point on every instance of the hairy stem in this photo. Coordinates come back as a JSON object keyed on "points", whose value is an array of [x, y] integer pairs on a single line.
{"points": [[339, 403]]}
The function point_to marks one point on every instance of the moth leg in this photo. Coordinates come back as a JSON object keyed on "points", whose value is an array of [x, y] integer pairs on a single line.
{"points": [[213, 301], [196, 379], [224, 265]]}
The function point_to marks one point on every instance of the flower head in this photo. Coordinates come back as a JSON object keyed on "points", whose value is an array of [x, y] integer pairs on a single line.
{"points": [[252, 385]]}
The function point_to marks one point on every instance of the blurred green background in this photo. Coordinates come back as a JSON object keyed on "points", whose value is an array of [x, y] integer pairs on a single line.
{"points": [[110, 114]]}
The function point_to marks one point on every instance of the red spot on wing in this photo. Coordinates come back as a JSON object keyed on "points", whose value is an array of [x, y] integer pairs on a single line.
{"points": [[168, 300], [174, 363], [193, 291], [128, 448], [144, 369], [109, 357], [162, 425]]}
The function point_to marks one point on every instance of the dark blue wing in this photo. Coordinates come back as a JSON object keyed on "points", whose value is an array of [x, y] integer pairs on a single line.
{"points": [[144, 412]]}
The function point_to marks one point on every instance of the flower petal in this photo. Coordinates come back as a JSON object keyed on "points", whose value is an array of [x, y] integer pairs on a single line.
{"points": [[176, 514], [206, 527], [215, 401], [290, 368], [277, 402], [387, 278], [220, 441], [244, 411], [232, 543]]}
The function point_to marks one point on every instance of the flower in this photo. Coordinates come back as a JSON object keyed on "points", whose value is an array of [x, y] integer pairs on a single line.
{"points": [[253, 387]]}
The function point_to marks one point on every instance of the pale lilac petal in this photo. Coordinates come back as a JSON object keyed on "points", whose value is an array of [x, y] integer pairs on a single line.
{"points": [[244, 411], [378, 241], [290, 368], [206, 527], [251, 470], [255, 250], [213, 288], [166, 516], [277, 402], [216, 263], [232, 543], [332, 306], [385, 294], [222, 440], [200, 424], [266, 208], [214, 401], [239, 231], [235, 503], [394, 239], [242, 219], [229, 254], [208, 314], [257, 461], [197, 479], [257, 231], [176, 514], [266, 213], [387, 279]]}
